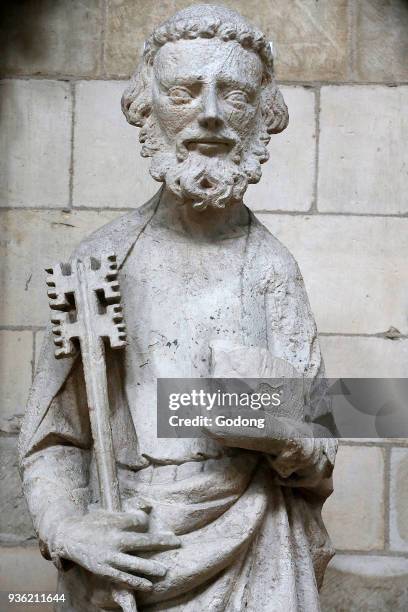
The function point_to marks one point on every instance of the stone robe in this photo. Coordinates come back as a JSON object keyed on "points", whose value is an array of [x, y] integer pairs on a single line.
{"points": [[250, 540]]}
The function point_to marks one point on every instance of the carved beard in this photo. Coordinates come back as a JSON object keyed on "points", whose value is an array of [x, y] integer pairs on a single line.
{"points": [[201, 180]]}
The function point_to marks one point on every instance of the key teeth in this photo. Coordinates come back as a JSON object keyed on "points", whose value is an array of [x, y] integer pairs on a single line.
{"points": [[63, 352], [114, 311], [116, 344], [65, 348], [59, 304], [112, 276]]}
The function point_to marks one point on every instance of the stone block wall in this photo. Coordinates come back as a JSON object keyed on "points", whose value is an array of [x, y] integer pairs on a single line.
{"points": [[334, 191]]}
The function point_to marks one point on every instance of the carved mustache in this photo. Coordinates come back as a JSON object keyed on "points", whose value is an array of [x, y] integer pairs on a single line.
{"points": [[226, 137]]}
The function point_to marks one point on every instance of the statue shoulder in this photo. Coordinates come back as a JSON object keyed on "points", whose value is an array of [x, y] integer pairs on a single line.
{"points": [[104, 238], [274, 254], [117, 235]]}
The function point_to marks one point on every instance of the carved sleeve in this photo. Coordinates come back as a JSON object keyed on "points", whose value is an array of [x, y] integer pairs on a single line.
{"points": [[292, 336], [55, 471]]}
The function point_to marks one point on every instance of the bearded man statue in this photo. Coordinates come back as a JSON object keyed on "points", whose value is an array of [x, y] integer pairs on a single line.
{"points": [[221, 522]]}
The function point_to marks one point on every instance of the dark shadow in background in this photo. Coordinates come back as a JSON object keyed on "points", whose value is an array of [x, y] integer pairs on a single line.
{"points": [[24, 30]]}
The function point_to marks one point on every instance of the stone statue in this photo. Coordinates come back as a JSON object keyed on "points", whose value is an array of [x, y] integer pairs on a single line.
{"points": [[220, 522]]}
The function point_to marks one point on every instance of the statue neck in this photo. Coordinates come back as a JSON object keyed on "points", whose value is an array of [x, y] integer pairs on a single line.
{"points": [[211, 223]]}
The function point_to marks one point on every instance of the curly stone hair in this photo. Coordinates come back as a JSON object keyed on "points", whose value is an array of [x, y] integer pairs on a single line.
{"points": [[206, 21]]}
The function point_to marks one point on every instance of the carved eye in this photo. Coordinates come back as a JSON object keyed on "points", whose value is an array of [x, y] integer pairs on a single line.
{"points": [[237, 98], [179, 95]]}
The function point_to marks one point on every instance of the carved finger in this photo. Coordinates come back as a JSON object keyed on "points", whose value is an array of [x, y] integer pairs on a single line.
{"points": [[147, 542], [139, 565], [136, 520], [134, 582]]}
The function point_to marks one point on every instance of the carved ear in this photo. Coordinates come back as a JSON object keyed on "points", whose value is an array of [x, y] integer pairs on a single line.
{"points": [[274, 109], [137, 99]]}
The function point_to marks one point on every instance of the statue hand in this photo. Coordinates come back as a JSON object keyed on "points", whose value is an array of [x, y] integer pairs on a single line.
{"points": [[101, 541], [270, 438], [293, 448]]}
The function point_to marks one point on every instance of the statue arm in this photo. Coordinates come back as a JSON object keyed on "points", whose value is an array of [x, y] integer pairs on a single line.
{"points": [[304, 462], [54, 463]]}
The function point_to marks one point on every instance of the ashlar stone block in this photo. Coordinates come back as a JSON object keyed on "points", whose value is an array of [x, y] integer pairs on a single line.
{"points": [[35, 143], [399, 500], [51, 37], [24, 568], [15, 377], [354, 268], [368, 583], [108, 168], [287, 181], [30, 242], [360, 357], [15, 522], [363, 156], [382, 43], [310, 37], [358, 499]]}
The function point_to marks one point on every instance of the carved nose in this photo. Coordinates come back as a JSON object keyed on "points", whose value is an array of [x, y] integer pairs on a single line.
{"points": [[210, 118]]}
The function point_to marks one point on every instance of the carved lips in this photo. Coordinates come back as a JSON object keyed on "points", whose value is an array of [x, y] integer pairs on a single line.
{"points": [[210, 145]]}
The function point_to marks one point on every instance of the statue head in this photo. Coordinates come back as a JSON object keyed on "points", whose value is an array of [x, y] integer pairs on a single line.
{"points": [[207, 104]]}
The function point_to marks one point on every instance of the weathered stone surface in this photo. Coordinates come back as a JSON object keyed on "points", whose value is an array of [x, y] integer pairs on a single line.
{"points": [[382, 44], [310, 37], [292, 153], [51, 37], [39, 337], [35, 143], [194, 269], [15, 522], [31, 241], [107, 164], [354, 269], [399, 500], [357, 583], [15, 376], [357, 501], [363, 160], [23, 569], [359, 357]]}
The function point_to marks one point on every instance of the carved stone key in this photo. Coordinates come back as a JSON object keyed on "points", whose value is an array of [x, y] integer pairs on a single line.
{"points": [[85, 303]]}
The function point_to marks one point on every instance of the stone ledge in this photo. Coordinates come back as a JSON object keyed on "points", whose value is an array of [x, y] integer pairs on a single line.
{"points": [[355, 583]]}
